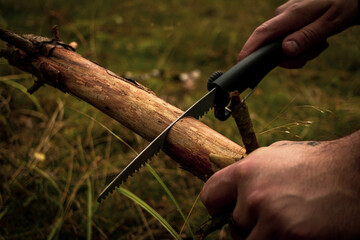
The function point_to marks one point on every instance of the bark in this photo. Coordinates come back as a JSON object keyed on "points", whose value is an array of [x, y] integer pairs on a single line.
{"points": [[242, 119], [189, 142]]}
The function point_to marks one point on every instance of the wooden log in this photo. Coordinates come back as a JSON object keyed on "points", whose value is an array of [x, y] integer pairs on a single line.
{"points": [[189, 142]]}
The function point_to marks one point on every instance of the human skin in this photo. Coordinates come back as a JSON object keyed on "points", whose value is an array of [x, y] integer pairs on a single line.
{"points": [[295, 190], [306, 24], [292, 190]]}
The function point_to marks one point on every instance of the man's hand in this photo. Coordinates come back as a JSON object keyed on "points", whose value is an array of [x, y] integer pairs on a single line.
{"points": [[306, 24], [292, 190]]}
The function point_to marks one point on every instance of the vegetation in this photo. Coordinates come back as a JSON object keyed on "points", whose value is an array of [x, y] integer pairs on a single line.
{"points": [[57, 152]]}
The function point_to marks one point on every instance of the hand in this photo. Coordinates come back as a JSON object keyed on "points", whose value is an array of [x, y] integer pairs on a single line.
{"points": [[292, 190], [306, 24]]}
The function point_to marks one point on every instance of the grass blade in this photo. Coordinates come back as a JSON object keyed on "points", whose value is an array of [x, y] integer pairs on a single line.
{"points": [[56, 229], [171, 196], [106, 128], [24, 90], [152, 171], [89, 192], [150, 210], [186, 223], [89, 209], [3, 213], [49, 178]]}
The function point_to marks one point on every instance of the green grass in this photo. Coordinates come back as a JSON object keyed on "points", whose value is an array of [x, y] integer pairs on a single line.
{"points": [[150, 210], [55, 158]]}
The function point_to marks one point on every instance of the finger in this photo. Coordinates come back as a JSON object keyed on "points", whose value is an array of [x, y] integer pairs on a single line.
{"points": [[335, 19], [242, 222], [236, 231], [300, 61], [248, 204], [267, 223], [290, 21], [220, 190], [306, 38], [285, 6], [245, 211], [262, 232]]}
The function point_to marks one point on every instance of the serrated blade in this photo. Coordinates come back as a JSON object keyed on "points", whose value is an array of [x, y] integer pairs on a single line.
{"points": [[197, 110]]}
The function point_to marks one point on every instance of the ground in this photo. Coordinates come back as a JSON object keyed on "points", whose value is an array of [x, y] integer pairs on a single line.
{"points": [[56, 151]]}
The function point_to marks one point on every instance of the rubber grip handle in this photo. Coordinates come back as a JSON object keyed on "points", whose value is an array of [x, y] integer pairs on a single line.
{"points": [[251, 70]]}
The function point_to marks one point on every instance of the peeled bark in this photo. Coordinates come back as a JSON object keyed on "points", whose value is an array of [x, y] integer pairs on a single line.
{"points": [[189, 141]]}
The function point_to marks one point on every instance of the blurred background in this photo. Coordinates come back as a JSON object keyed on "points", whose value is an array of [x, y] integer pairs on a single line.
{"points": [[57, 152]]}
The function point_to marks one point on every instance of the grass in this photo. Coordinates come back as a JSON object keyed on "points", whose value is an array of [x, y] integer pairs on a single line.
{"points": [[57, 153], [150, 210]]}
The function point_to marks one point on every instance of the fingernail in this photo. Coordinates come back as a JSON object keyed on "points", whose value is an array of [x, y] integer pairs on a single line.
{"points": [[292, 48]]}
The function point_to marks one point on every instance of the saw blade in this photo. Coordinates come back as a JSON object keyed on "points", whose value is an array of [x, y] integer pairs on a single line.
{"points": [[197, 110]]}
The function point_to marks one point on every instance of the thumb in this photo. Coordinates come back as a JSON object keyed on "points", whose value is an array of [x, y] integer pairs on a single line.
{"points": [[300, 60], [307, 37], [302, 40]]}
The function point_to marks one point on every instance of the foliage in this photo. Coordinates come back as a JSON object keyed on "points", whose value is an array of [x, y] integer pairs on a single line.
{"points": [[55, 159]]}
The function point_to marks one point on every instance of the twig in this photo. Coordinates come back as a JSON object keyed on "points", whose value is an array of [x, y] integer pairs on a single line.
{"points": [[213, 224], [242, 118], [31, 45], [18, 41]]}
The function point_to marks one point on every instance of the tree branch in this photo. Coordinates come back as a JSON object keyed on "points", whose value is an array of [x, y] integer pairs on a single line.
{"points": [[189, 142]]}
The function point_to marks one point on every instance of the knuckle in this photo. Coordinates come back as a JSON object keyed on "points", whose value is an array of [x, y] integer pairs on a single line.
{"points": [[309, 36], [296, 223], [299, 231], [276, 217], [336, 16], [282, 8], [208, 201], [278, 10], [263, 28], [256, 198], [243, 169], [204, 195], [295, 8], [208, 187]]}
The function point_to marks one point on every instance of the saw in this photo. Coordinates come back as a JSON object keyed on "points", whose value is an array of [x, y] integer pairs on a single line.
{"points": [[246, 74]]}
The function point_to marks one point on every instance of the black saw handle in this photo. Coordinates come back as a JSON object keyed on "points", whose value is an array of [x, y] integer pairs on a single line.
{"points": [[250, 71]]}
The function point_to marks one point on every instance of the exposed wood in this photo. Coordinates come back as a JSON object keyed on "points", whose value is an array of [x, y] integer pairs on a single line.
{"points": [[242, 119], [222, 161], [189, 141]]}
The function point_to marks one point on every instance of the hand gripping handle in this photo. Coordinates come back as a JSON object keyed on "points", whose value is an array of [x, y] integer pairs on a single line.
{"points": [[250, 71]]}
